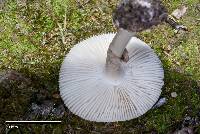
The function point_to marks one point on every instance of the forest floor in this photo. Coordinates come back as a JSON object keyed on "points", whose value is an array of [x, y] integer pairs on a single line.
{"points": [[36, 35]]}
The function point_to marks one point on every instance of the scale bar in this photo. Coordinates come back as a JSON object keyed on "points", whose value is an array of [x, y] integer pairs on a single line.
{"points": [[32, 122]]}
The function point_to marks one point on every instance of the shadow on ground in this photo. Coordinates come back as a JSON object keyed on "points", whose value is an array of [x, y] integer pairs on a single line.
{"points": [[28, 97]]}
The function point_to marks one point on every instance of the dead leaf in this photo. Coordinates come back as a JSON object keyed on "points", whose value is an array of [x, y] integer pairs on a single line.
{"points": [[178, 13], [56, 96]]}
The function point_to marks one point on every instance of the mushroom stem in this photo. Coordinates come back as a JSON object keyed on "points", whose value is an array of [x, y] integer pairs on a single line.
{"points": [[120, 41], [115, 51]]}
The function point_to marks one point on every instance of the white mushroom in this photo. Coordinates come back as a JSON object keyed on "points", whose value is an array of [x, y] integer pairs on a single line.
{"points": [[97, 85], [89, 93]]}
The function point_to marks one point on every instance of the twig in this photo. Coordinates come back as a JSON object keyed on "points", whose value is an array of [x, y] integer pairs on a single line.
{"points": [[62, 29], [172, 22], [62, 33], [65, 19]]}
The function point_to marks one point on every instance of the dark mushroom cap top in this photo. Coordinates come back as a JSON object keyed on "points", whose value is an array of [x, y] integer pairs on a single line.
{"points": [[138, 15]]}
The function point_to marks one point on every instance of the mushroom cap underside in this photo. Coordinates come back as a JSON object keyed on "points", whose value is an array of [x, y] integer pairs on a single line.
{"points": [[88, 93]]}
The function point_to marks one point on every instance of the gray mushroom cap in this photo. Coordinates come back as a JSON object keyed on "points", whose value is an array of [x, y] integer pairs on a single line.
{"points": [[138, 15]]}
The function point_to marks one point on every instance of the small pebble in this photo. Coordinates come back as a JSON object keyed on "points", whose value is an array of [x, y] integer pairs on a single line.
{"points": [[174, 94], [17, 26], [161, 102], [188, 118], [58, 111]]}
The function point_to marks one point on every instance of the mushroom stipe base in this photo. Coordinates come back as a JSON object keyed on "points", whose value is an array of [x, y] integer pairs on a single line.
{"points": [[89, 93]]}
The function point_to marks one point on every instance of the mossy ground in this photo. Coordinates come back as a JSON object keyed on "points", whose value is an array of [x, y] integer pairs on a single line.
{"points": [[36, 35]]}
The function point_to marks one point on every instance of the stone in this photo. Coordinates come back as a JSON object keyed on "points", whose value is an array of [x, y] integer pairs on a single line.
{"points": [[185, 130], [174, 94], [160, 102]]}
